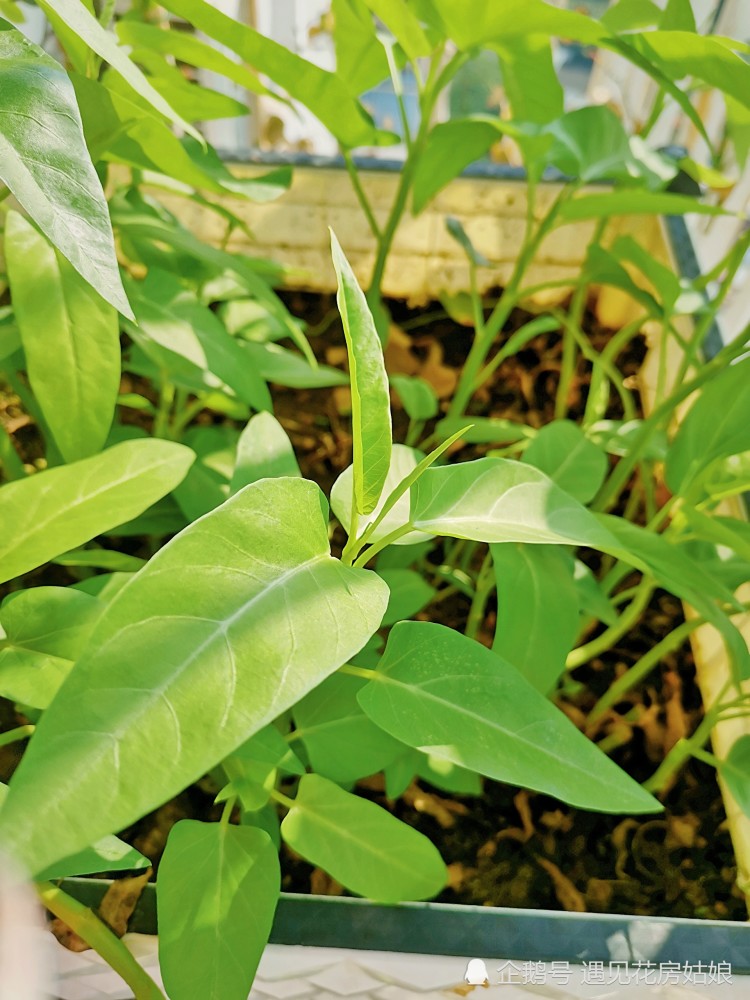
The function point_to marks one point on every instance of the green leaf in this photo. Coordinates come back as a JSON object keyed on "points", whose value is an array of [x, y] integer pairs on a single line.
{"points": [[686, 54], [497, 22], [264, 451], [188, 49], [260, 189], [410, 593], [565, 454], [171, 317], [76, 16], [110, 854], [450, 148], [450, 696], [716, 426], [45, 630], [417, 396], [74, 368], [56, 510], [499, 500], [629, 14], [284, 367], [735, 772], [45, 163], [403, 462], [211, 938], [343, 744], [591, 597], [403, 25], [325, 94], [360, 56], [110, 559], [530, 80], [590, 144], [537, 610], [633, 202], [206, 485], [730, 532], [371, 404], [615, 437], [678, 16], [674, 569], [228, 626], [486, 430], [361, 845]]}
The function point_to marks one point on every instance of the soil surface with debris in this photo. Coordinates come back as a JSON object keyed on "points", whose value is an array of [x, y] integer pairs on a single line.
{"points": [[508, 847]]}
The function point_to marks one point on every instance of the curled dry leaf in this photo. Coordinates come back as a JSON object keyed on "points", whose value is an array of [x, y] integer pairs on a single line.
{"points": [[116, 908]]}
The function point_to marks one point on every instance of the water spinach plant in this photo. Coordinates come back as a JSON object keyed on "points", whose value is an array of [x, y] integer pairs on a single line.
{"points": [[247, 648]]}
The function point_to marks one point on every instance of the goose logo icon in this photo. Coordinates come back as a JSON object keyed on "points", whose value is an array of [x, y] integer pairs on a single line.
{"points": [[476, 973]]}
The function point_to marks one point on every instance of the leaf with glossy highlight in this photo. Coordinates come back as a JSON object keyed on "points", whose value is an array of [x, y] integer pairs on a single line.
{"points": [[45, 163], [228, 626], [211, 937], [371, 403], [53, 511], [361, 845], [443, 693]]}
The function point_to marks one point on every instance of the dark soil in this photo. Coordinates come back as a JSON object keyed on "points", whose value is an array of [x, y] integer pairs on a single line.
{"points": [[511, 847]]}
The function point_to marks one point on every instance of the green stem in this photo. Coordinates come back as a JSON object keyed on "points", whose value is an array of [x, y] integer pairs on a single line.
{"points": [[184, 416], [626, 621], [95, 933], [622, 472], [681, 752], [373, 550], [164, 408], [364, 672], [598, 397], [640, 670], [226, 813], [469, 379], [485, 586], [361, 196], [13, 735], [284, 800]]}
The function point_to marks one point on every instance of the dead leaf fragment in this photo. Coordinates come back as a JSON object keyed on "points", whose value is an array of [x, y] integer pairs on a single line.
{"points": [[116, 908], [569, 897]]}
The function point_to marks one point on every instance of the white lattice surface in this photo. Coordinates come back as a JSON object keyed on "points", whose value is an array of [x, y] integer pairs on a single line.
{"points": [[300, 973]]}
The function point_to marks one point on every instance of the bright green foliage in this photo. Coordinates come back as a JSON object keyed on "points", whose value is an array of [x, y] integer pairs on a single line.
{"points": [[537, 610], [110, 854], [403, 462], [324, 93], [371, 409], [717, 426], [566, 455], [76, 17], [57, 185], [229, 625], [734, 770], [45, 630], [189, 341], [341, 742], [53, 511], [418, 397], [263, 452], [498, 500], [438, 691], [409, 593], [360, 844], [212, 937], [75, 369]]}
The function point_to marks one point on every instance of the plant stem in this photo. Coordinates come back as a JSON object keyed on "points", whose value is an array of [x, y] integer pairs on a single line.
{"points": [[361, 196], [85, 923], [164, 408], [389, 539], [640, 670], [284, 800], [470, 379], [683, 750], [184, 416], [605, 641], [485, 586], [13, 735], [352, 671], [621, 474]]}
